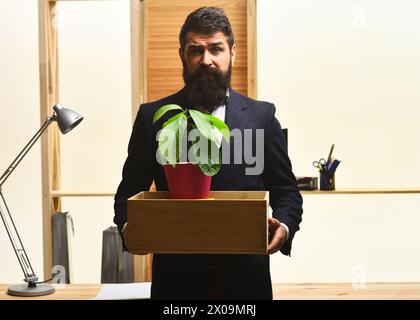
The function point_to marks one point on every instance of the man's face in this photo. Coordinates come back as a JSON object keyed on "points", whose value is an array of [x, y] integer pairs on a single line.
{"points": [[207, 62], [209, 50]]}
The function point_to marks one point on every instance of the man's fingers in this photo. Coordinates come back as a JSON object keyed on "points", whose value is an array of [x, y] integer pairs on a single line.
{"points": [[277, 236], [273, 224], [275, 243]]}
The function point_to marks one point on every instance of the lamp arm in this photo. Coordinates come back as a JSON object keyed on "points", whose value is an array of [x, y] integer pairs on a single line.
{"points": [[8, 222], [25, 150], [17, 244]]}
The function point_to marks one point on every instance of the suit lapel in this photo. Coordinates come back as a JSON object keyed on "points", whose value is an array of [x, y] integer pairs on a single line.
{"points": [[237, 112], [237, 117]]}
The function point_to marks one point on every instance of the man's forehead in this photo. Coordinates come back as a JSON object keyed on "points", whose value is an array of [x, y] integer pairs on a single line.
{"points": [[193, 38]]}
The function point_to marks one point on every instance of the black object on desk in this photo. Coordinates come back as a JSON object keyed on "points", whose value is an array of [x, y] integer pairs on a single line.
{"points": [[307, 183], [327, 170], [326, 181], [327, 177]]}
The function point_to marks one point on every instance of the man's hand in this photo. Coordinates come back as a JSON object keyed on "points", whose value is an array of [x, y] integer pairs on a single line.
{"points": [[278, 235]]}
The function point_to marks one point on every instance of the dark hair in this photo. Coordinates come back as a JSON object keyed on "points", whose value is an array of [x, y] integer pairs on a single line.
{"points": [[207, 20]]}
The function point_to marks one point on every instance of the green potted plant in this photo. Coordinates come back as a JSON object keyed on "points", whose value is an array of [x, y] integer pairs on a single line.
{"points": [[189, 149]]}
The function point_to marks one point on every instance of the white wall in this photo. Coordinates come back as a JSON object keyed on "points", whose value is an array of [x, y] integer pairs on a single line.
{"points": [[347, 72], [19, 120], [95, 80]]}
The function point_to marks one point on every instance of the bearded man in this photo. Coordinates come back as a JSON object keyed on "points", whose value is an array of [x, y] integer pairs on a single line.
{"points": [[207, 51]]}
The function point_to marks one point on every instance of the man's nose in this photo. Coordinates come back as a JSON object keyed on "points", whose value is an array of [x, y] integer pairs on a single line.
{"points": [[207, 60]]}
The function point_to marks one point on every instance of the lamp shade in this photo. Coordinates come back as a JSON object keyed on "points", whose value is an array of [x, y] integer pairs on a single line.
{"points": [[66, 119]]}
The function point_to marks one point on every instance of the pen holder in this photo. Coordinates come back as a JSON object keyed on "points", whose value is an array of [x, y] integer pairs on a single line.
{"points": [[326, 181]]}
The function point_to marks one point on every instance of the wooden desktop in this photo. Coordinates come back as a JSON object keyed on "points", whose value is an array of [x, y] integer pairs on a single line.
{"points": [[303, 291]]}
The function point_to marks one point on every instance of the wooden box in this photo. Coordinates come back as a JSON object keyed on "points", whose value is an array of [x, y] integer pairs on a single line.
{"points": [[227, 222]]}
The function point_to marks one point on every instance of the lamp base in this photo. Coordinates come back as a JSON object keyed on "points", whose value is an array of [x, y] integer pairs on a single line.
{"points": [[23, 290]]}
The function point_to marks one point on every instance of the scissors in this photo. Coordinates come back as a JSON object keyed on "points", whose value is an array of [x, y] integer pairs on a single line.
{"points": [[320, 164]]}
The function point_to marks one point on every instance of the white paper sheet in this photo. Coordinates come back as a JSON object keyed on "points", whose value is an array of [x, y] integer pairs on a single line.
{"points": [[124, 291]]}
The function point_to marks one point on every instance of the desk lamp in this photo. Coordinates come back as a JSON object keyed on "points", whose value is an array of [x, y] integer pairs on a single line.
{"points": [[66, 120]]}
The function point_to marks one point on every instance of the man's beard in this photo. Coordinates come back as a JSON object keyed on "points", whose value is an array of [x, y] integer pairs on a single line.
{"points": [[206, 87]]}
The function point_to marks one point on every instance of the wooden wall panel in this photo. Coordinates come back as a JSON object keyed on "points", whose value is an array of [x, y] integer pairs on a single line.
{"points": [[50, 140], [164, 21]]}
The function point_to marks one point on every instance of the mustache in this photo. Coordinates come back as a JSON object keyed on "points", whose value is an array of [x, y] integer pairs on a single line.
{"points": [[206, 73]]}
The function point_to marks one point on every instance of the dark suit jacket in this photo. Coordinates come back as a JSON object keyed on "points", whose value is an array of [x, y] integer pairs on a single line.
{"points": [[197, 276]]}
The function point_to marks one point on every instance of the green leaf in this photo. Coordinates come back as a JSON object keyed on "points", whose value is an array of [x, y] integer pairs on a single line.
{"points": [[209, 169], [174, 129], [211, 163], [221, 126], [173, 118], [166, 140], [204, 125], [169, 137], [162, 110], [194, 153], [182, 128], [214, 157]]}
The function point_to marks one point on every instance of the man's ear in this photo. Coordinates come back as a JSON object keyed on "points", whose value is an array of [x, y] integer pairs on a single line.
{"points": [[233, 54]]}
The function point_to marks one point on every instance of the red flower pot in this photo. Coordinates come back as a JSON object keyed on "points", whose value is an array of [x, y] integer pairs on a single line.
{"points": [[186, 181]]}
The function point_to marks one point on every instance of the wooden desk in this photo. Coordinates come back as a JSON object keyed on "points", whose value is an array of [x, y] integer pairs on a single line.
{"points": [[62, 292], [308, 291], [345, 291]]}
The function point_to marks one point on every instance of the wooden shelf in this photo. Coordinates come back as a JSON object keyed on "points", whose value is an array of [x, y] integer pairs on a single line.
{"points": [[58, 193]]}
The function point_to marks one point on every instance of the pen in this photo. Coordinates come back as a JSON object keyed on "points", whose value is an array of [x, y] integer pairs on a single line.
{"points": [[330, 163], [331, 151], [333, 167]]}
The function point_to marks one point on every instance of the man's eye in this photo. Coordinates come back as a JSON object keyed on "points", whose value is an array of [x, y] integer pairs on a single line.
{"points": [[196, 51], [216, 50]]}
